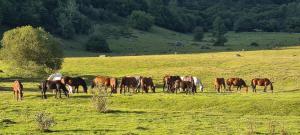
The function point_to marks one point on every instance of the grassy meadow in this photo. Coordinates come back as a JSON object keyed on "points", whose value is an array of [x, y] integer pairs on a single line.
{"points": [[163, 113]]}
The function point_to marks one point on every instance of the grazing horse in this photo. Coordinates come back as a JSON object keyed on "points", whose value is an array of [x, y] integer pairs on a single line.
{"points": [[138, 79], [147, 82], [76, 82], [239, 82], [187, 86], [218, 83], [18, 89], [197, 82], [104, 81], [57, 85], [261, 82], [188, 79], [169, 82], [128, 82]]}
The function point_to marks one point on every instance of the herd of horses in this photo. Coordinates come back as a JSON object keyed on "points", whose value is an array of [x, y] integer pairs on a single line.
{"points": [[171, 84]]}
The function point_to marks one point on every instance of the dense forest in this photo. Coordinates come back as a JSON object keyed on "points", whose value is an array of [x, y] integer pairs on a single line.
{"points": [[66, 18]]}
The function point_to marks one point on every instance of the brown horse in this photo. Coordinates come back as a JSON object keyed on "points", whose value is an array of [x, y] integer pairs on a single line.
{"points": [[18, 90], [239, 82], [147, 82], [128, 82], [169, 82], [187, 86], [219, 82], [104, 81], [261, 82]]}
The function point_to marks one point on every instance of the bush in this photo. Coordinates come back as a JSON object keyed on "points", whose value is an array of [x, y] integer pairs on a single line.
{"points": [[198, 34], [30, 51], [141, 20], [220, 41], [44, 121], [97, 43], [100, 103], [254, 44]]}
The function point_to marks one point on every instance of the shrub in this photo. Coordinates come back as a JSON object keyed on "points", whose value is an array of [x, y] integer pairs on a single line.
{"points": [[220, 41], [97, 43], [254, 44], [100, 103], [44, 121], [30, 51], [198, 33], [141, 20]]}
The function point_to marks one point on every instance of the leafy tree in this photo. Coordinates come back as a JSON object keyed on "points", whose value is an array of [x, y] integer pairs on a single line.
{"points": [[141, 20], [31, 51], [244, 24], [219, 27], [198, 33], [219, 30], [97, 43]]}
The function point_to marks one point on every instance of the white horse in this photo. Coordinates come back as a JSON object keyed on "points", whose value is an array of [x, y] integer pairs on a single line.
{"points": [[198, 82]]}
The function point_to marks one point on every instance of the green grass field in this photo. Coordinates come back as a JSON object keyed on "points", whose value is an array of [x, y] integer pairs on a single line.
{"points": [[162, 41], [163, 113]]}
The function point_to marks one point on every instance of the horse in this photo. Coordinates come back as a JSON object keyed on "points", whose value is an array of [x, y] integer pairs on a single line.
{"points": [[218, 83], [261, 82], [138, 79], [169, 81], [147, 82], [57, 85], [128, 82], [105, 81], [187, 86], [239, 82], [18, 90], [188, 79], [197, 82], [76, 82]]}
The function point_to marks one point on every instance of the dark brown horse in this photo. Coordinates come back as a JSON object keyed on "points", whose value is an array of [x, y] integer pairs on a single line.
{"points": [[261, 82], [128, 82], [147, 82], [104, 81], [76, 82], [57, 85], [169, 82], [239, 82], [18, 90], [218, 83]]}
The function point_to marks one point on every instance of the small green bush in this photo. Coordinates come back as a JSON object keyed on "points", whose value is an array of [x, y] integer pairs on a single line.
{"points": [[198, 34], [254, 44], [44, 121], [97, 43]]}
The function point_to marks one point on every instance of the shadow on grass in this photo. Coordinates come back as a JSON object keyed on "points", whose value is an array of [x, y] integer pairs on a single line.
{"points": [[80, 130], [124, 111]]}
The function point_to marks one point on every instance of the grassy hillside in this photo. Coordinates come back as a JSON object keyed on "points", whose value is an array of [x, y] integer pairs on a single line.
{"points": [[162, 41], [162, 113]]}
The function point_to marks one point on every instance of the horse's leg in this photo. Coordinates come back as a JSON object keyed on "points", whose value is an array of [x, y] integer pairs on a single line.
{"points": [[265, 88], [19, 95]]}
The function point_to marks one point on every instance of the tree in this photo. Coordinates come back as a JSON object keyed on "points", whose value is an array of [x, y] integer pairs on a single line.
{"points": [[31, 51], [219, 27], [97, 43], [198, 33], [141, 20], [219, 30], [244, 24]]}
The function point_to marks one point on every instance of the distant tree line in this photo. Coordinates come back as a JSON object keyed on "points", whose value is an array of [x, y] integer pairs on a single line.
{"points": [[66, 18]]}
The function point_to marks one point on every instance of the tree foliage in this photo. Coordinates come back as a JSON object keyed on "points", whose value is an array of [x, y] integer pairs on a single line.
{"points": [[97, 43], [31, 51], [198, 33], [141, 20]]}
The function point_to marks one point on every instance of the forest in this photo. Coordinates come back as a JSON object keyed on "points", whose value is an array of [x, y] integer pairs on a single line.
{"points": [[66, 18]]}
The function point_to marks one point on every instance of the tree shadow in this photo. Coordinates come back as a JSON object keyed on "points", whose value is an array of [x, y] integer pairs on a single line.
{"points": [[124, 111]]}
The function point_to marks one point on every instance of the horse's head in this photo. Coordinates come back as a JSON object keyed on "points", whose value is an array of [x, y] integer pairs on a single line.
{"points": [[271, 85], [153, 88]]}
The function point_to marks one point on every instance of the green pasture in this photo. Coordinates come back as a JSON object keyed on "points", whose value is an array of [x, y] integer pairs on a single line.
{"points": [[164, 113]]}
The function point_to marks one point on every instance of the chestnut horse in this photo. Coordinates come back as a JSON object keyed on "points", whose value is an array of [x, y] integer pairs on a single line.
{"points": [[218, 83], [261, 82], [147, 82], [239, 82], [18, 90], [186, 86], [76, 82], [104, 81]]}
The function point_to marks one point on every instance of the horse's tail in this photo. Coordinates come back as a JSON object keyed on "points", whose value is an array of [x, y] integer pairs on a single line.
{"points": [[93, 84]]}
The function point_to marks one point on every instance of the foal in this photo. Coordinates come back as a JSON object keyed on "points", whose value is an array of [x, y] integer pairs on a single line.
{"points": [[18, 89]]}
